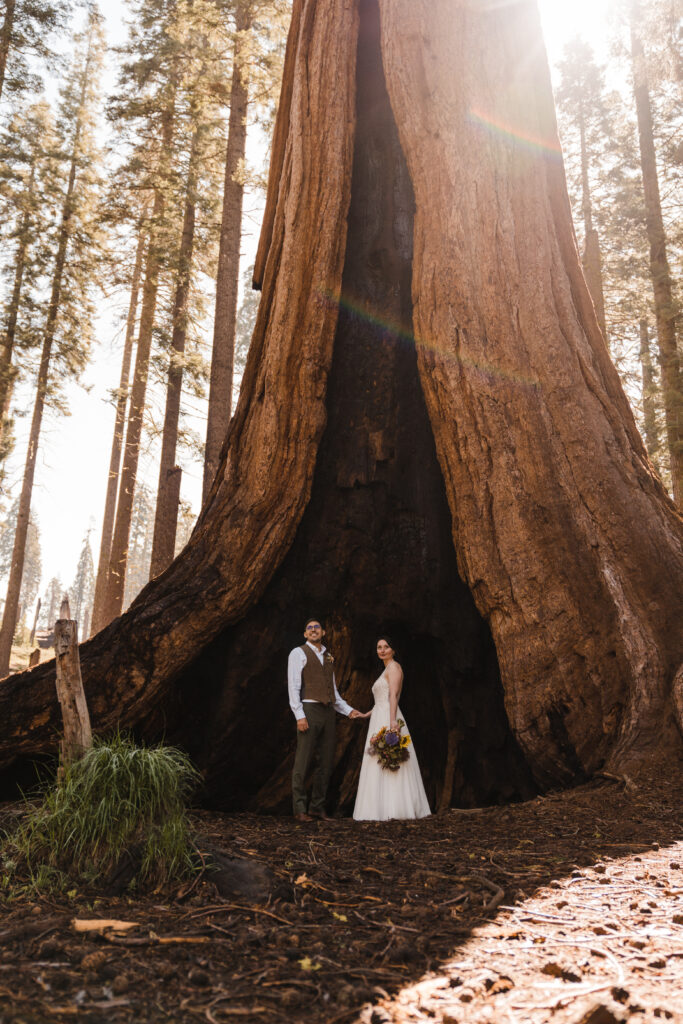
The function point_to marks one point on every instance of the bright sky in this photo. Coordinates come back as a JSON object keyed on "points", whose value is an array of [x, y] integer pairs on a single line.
{"points": [[74, 451]]}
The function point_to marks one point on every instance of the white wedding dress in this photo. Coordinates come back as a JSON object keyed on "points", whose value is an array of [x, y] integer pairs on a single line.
{"points": [[383, 794]]}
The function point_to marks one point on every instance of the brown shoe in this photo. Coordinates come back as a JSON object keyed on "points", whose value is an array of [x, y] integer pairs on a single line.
{"points": [[323, 817], [301, 816]]}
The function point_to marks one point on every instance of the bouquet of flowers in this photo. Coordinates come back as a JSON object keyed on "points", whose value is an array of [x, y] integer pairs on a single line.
{"points": [[390, 748]]}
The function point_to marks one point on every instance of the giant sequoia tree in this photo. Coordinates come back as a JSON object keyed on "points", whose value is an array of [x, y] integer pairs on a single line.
{"points": [[430, 438]]}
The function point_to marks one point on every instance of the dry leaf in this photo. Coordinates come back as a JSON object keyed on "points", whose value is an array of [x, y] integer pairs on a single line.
{"points": [[307, 964]]}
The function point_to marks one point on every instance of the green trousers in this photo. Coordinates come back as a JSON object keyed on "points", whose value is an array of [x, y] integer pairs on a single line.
{"points": [[318, 743]]}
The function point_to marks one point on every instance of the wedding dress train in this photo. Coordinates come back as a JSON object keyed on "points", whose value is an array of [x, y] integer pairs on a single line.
{"points": [[383, 794]]}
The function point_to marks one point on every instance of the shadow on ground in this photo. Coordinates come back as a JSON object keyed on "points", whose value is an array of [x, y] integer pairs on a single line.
{"points": [[358, 913]]}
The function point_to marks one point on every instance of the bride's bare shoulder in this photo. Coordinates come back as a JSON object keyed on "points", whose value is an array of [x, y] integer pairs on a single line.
{"points": [[394, 671]]}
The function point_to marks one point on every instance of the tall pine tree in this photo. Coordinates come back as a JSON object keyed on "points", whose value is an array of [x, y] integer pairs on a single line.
{"points": [[27, 28], [660, 271], [69, 313], [30, 186]]}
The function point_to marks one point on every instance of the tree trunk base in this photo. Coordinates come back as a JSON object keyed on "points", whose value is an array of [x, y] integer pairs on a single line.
{"points": [[373, 552]]}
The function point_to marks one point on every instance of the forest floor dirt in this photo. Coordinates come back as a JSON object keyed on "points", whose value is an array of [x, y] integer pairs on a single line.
{"points": [[566, 908]]}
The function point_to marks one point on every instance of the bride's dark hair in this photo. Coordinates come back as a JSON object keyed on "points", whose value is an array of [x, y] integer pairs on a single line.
{"points": [[389, 641]]}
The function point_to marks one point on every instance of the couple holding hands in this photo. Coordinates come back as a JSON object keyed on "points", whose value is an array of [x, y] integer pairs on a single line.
{"points": [[384, 792]]}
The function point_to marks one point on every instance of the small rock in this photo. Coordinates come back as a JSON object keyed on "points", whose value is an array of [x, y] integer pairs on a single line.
{"points": [[659, 962], [674, 864], [238, 876], [599, 868], [678, 918], [120, 984], [466, 996], [620, 994], [655, 846]]}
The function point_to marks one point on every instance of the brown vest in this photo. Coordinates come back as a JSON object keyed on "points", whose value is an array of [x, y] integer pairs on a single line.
{"points": [[317, 681]]}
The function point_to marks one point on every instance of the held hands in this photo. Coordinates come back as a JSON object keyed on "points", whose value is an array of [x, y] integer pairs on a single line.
{"points": [[359, 714]]}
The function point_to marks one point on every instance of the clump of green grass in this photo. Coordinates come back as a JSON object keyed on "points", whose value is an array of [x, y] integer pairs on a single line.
{"points": [[119, 799]]}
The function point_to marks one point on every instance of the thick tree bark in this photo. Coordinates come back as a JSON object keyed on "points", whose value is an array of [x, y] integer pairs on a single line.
{"points": [[118, 560], [649, 393], [430, 438], [665, 310], [6, 38], [7, 373], [9, 621], [227, 278], [168, 491], [592, 260], [99, 619]]}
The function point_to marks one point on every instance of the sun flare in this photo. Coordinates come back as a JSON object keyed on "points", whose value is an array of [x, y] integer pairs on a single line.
{"points": [[563, 21]]}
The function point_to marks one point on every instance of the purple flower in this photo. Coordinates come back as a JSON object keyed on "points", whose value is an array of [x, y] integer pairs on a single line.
{"points": [[392, 739]]}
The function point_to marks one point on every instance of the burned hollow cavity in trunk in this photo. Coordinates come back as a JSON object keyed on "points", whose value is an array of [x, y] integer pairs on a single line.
{"points": [[374, 549]]}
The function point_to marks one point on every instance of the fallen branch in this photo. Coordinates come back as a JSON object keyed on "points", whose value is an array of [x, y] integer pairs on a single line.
{"points": [[30, 928]]}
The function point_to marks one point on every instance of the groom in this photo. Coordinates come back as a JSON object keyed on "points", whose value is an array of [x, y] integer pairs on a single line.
{"points": [[314, 699]]}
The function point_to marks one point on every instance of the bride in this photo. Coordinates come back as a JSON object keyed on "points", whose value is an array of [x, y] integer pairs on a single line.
{"points": [[383, 794]]}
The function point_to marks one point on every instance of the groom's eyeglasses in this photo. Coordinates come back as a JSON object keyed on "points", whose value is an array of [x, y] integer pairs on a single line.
{"points": [[313, 625]]}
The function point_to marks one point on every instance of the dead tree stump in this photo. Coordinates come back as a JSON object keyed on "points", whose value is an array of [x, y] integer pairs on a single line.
{"points": [[34, 658], [75, 717]]}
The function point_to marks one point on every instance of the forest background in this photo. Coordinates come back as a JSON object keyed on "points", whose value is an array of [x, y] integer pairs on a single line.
{"points": [[135, 103]]}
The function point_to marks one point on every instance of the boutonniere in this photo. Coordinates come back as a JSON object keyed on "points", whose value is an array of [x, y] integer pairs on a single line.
{"points": [[328, 656]]}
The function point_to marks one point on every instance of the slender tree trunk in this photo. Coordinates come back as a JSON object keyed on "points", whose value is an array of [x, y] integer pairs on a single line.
{"points": [[6, 38], [35, 623], [7, 373], [649, 394], [665, 311], [168, 492], [118, 560], [98, 616], [52, 609], [9, 621], [227, 279], [592, 260]]}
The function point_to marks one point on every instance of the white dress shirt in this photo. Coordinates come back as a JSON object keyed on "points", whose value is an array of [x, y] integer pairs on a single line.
{"points": [[297, 660]]}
